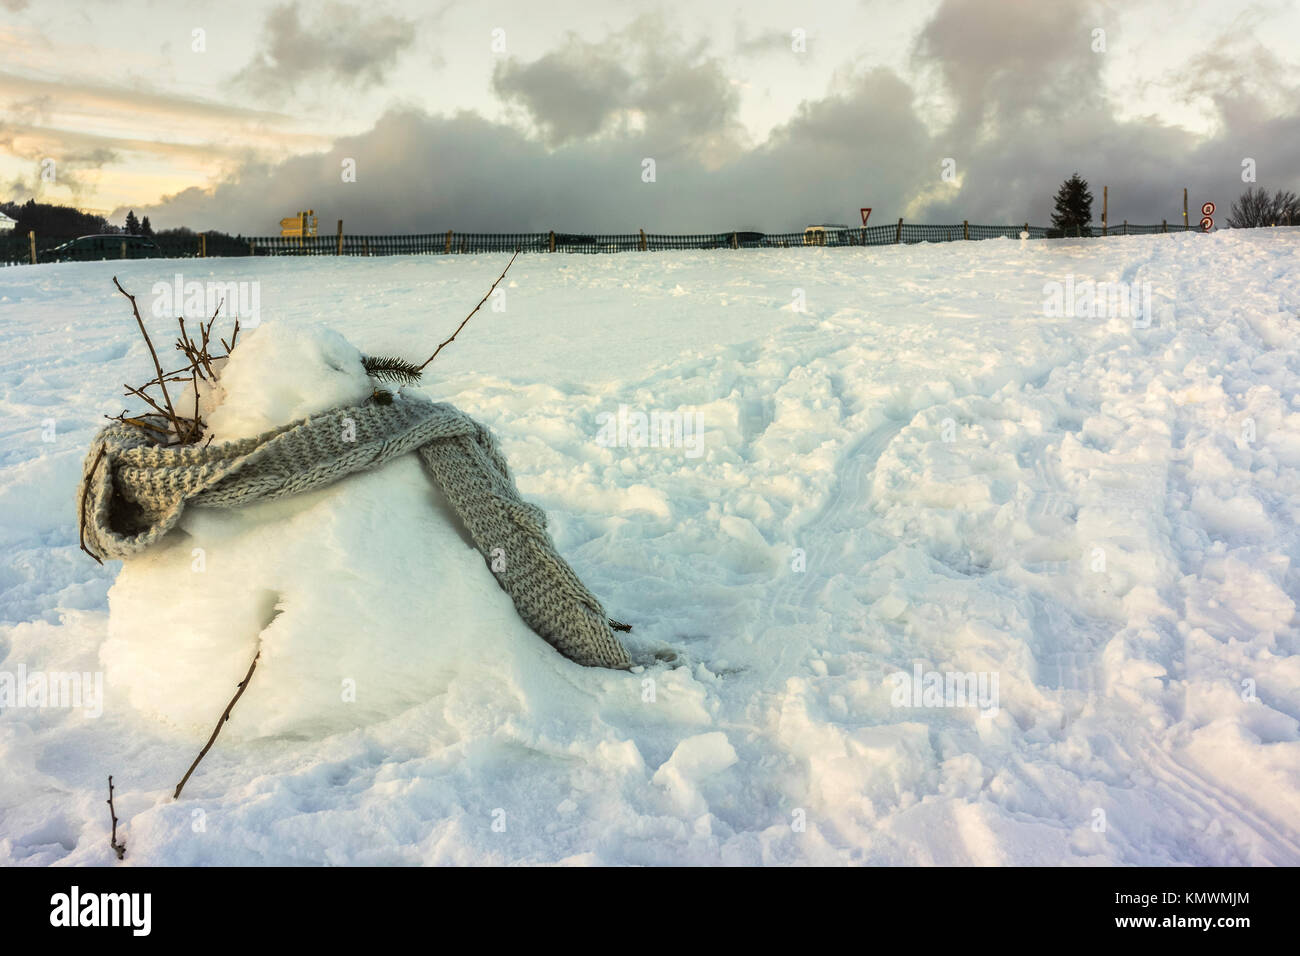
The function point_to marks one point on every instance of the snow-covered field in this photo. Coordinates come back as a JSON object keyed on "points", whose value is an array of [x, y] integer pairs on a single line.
{"points": [[923, 471]]}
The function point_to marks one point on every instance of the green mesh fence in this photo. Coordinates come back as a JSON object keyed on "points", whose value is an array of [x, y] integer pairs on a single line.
{"points": [[16, 250]]}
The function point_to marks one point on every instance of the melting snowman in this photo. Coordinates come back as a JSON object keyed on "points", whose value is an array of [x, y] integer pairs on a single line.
{"points": [[362, 598]]}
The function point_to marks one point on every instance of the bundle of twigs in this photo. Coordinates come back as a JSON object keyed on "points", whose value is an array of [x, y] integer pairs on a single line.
{"points": [[179, 429]]}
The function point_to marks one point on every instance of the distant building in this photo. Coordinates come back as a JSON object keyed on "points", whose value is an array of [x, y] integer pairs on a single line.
{"points": [[7, 224]]}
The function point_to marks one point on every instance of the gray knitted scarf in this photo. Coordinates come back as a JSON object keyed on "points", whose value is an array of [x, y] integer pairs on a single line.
{"points": [[133, 491]]}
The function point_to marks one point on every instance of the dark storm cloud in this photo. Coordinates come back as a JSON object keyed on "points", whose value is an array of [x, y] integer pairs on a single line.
{"points": [[1029, 109], [1013, 61], [422, 173], [642, 79], [571, 93], [341, 41]]}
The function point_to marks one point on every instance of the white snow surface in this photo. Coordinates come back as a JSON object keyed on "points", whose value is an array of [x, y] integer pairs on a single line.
{"points": [[922, 471]]}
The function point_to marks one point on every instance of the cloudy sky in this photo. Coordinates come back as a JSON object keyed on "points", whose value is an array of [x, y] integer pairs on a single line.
{"points": [[502, 115]]}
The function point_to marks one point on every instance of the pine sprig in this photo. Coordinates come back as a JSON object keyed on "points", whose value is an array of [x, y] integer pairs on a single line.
{"points": [[388, 369]]}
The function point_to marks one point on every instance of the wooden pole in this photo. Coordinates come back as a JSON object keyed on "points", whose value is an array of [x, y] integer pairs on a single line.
{"points": [[1126, 227], [338, 250], [31, 241], [735, 242], [366, 245], [643, 242], [447, 248], [203, 244], [965, 228], [1164, 225], [1105, 202], [1185, 226], [552, 240], [252, 249], [898, 233], [123, 248]]}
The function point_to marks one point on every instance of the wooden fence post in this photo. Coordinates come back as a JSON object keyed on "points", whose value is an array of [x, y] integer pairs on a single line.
{"points": [[1126, 227], [643, 242], [1164, 225], [203, 245], [365, 246], [31, 241], [338, 251], [552, 241], [252, 248], [735, 242], [447, 248], [965, 228], [898, 233], [1105, 200], [1185, 226]]}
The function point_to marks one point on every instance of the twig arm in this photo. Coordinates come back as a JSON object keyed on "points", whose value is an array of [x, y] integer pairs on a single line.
{"points": [[225, 715], [471, 315]]}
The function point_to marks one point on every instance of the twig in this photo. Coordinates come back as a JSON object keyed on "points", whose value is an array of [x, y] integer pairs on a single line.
{"points": [[197, 424], [157, 367], [137, 422], [619, 625], [118, 848], [85, 493], [225, 716], [140, 393], [471, 315]]}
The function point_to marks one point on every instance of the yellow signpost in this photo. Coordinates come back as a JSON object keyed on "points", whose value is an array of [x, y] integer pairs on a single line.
{"points": [[303, 224]]}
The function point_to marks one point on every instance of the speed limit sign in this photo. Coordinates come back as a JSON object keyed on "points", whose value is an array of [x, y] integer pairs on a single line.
{"points": [[1207, 217], [1207, 209]]}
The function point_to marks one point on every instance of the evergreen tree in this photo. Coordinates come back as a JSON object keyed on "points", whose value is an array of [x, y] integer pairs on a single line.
{"points": [[1073, 212], [132, 224], [145, 228]]}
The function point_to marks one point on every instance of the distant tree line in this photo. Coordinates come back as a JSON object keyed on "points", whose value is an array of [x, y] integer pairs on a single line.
{"points": [[51, 221], [58, 222]]}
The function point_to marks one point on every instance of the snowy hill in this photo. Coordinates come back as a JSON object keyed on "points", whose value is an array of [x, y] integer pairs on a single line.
{"points": [[916, 466]]}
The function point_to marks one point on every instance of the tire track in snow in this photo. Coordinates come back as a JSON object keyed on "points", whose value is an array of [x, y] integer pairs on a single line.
{"points": [[1219, 804], [793, 604]]}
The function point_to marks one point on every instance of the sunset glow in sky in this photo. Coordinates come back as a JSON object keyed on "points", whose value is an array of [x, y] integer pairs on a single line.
{"points": [[514, 115]]}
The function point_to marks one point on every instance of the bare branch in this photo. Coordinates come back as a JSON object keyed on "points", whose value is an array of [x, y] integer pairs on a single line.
{"points": [[225, 716], [471, 315], [118, 848], [171, 412]]}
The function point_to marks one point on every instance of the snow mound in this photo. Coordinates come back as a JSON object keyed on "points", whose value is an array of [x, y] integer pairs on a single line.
{"points": [[361, 599], [277, 375]]}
